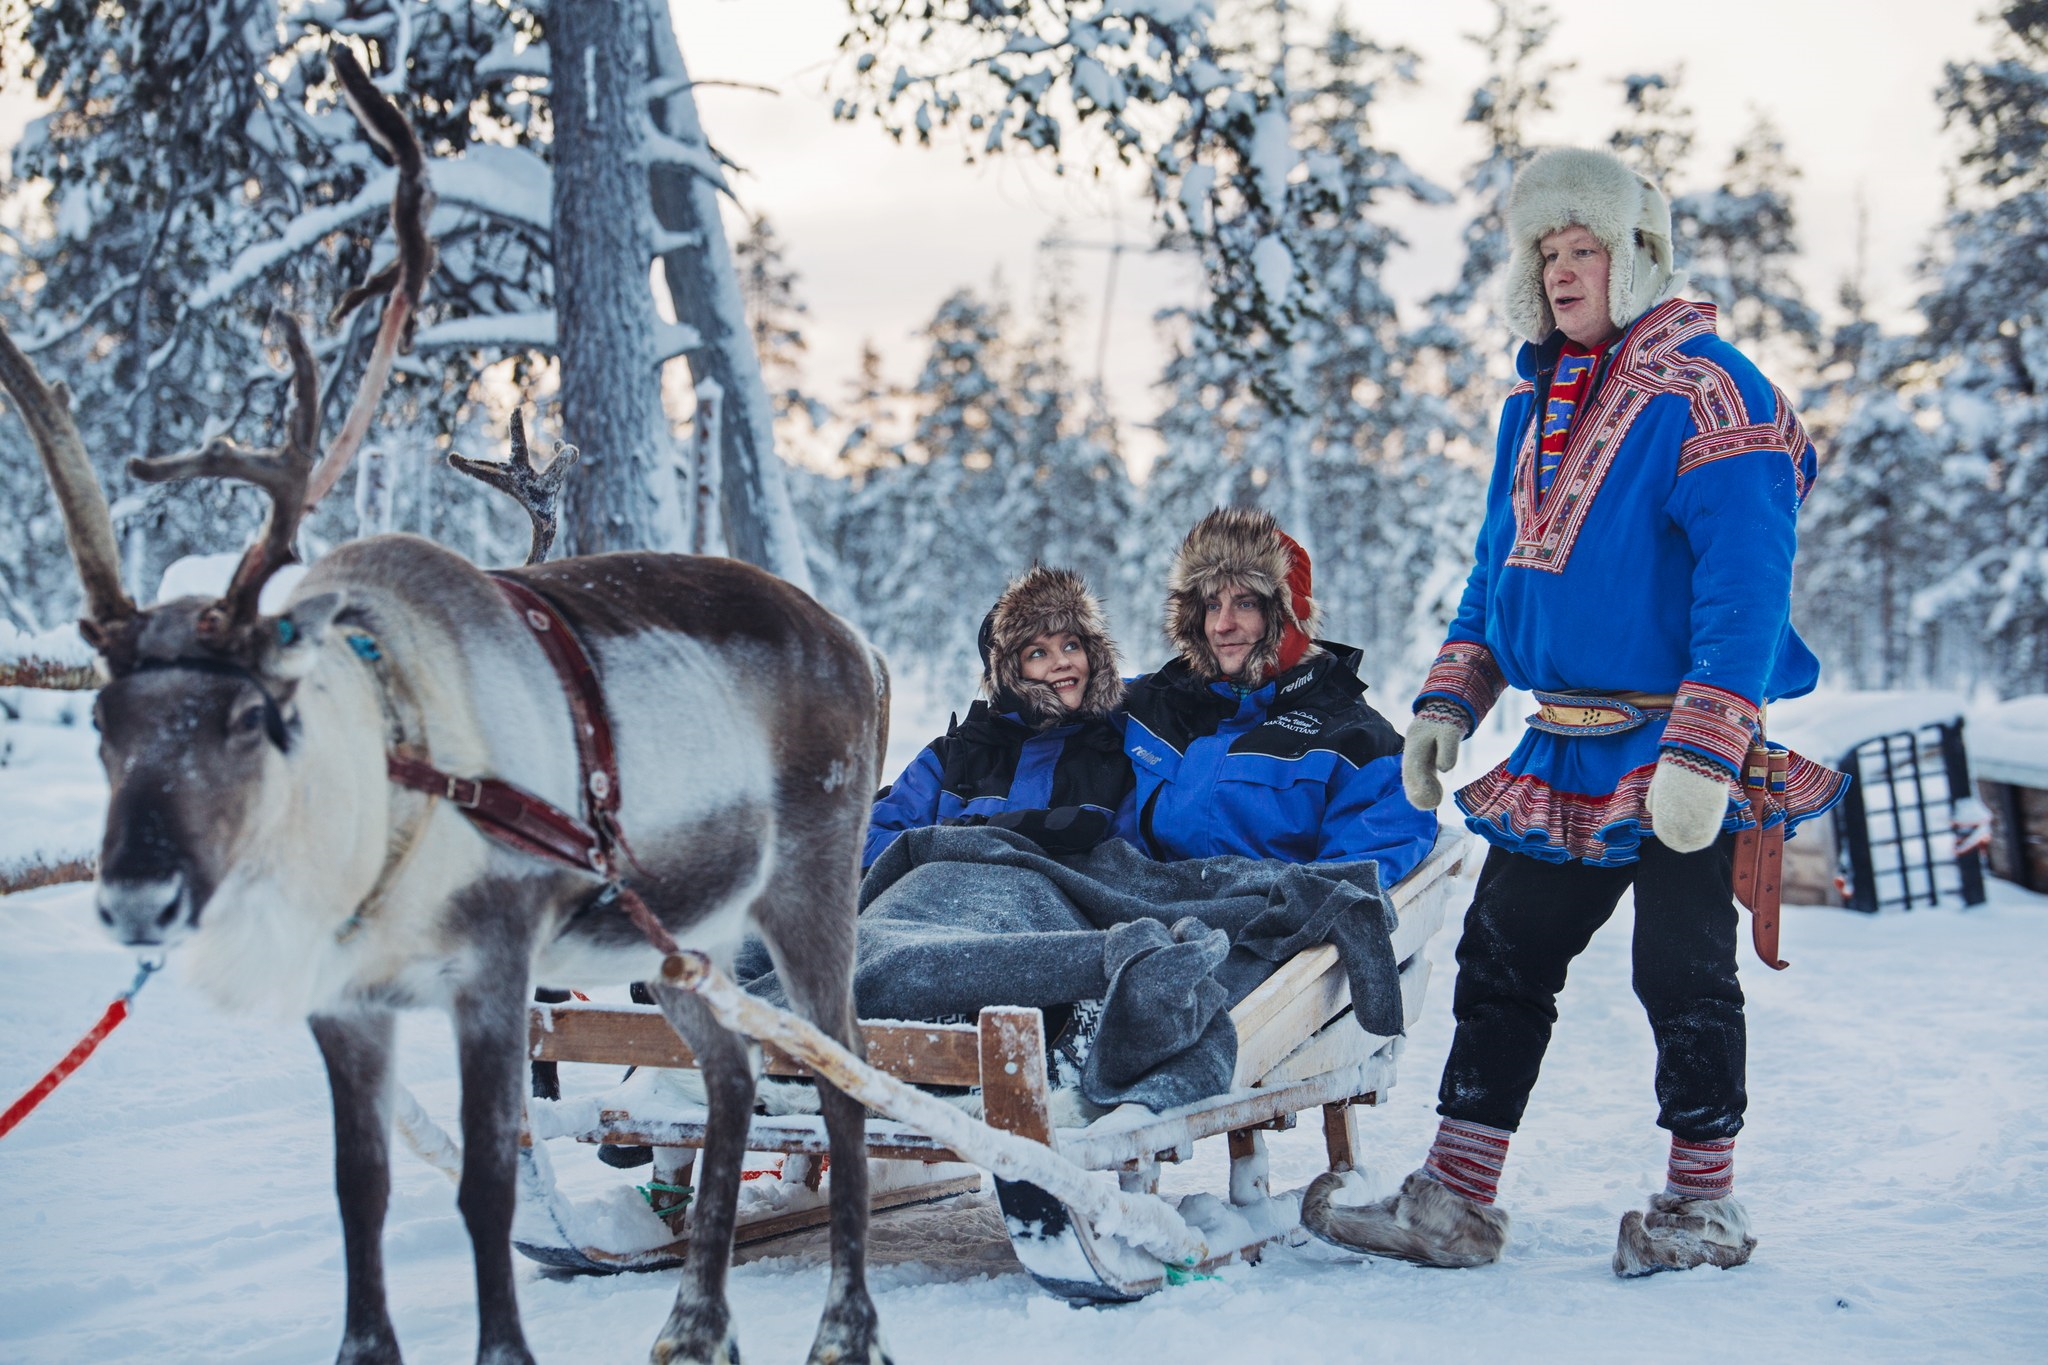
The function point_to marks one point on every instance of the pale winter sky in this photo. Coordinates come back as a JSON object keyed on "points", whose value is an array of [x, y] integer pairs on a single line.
{"points": [[881, 232]]}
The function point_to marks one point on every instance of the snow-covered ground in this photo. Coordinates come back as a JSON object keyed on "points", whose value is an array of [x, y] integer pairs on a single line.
{"points": [[171, 1202]]}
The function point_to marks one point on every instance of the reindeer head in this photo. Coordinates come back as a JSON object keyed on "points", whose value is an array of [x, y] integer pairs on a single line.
{"points": [[200, 724]]}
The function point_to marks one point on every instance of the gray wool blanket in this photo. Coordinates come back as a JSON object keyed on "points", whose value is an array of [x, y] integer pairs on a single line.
{"points": [[955, 918]]}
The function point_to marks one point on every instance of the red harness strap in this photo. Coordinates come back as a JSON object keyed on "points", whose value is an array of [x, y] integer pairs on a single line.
{"points": [[515, 816]]}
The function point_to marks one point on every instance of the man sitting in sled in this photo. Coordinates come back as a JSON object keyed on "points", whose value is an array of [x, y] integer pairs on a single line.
{"points": [[1257, 739]]}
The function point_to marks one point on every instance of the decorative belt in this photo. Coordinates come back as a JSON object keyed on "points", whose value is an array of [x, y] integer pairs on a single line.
{"points": [[1586, 714]]}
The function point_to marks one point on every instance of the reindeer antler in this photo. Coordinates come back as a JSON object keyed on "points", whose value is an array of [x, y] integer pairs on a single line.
{"points": [[535, 487], [403, 280], [88, 526], [280, 471], [289, 472]]}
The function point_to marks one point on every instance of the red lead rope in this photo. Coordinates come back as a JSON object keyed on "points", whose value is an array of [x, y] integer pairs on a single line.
{"points": [[75, 1058]]}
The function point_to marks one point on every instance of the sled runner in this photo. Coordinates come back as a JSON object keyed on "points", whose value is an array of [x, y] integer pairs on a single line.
{"points": [[1298, 1050]]}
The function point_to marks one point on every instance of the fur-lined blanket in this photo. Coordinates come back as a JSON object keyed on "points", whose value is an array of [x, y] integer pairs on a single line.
{"points": [[956, 918]]}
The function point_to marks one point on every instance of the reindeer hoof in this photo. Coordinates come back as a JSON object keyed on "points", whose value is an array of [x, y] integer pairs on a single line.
{"points": [[849, 1334], [696, 1337]]}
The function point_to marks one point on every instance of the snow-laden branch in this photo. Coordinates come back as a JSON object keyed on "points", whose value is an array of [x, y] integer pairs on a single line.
{"points": [[508, 183], [509, 60], [659, 149], [672, 339], [299, 235], [491, 332], [44, 340]]}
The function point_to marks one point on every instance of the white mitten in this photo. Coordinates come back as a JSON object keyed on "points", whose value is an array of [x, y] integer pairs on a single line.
{"points": [[1431, 747], [1686, 804]]}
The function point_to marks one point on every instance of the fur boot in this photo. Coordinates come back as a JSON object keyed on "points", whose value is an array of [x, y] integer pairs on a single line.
{"points": [[1678, 1234], [1424, 1223]]}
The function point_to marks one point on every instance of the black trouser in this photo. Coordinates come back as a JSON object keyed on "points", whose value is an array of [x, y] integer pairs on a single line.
{"points": [[1529, 919]]}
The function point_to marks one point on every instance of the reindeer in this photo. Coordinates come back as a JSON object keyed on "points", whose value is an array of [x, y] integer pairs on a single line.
{"points": [[267, 812]]}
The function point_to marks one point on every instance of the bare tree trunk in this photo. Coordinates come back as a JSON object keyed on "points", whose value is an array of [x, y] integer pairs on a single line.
{"points": [[759, 522], [623, 498], [707, 469]]}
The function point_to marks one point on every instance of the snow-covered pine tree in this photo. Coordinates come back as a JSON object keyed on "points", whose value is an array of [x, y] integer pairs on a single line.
{"points": [[1656, 135], [1986, 339], [1361, 475], [1869, 531], [922, 545], [775, 320], [1151, 80], [1068, 495], [1738, 240], [199, 171], [1465, 328]]}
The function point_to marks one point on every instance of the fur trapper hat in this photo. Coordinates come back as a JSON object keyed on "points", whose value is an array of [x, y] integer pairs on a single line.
{"points": [[1043, 601], [1243, 546], [1597, 191]]}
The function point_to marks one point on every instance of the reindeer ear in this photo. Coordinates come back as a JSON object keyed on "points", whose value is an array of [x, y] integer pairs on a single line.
{"points": [[291, 642]]}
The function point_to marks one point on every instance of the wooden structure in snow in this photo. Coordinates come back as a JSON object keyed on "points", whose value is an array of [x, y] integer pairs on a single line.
{"points": [[1299, 1050], [2010, 758]]}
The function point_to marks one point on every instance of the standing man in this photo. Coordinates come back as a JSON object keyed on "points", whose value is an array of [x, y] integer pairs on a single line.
{"points": [[1634, 570]]}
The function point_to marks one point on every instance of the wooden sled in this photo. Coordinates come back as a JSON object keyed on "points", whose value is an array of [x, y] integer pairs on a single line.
{"points": [[1298, 1050]]}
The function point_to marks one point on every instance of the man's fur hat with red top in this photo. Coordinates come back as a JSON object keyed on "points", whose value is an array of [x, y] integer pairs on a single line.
{"points": [[1245, 547], [1044, 601]]}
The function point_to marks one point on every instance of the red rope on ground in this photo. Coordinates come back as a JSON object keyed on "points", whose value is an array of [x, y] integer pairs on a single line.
{"points": [[109, 1021]]}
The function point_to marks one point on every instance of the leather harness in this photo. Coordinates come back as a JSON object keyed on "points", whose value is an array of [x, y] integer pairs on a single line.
{"points": [[1759, 851], [515, 816]]}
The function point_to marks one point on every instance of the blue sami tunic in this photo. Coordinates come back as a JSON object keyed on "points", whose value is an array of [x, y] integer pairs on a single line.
{"points": [[1659, 560]]}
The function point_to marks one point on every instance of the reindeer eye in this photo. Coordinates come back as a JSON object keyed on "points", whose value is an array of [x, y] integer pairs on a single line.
{"points": [[247, 721]]}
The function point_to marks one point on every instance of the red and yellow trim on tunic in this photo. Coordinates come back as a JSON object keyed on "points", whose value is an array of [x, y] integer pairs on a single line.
{"points": [[1648, 366], [1784, 436], [1527, 815], [1466, 670], [1713, 721]]}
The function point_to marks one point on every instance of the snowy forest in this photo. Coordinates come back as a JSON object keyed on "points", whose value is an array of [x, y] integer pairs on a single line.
{"points": [[194, 170]]}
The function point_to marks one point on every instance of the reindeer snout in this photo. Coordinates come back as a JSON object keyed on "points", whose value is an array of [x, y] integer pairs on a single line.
{"points": [[145, 911]]}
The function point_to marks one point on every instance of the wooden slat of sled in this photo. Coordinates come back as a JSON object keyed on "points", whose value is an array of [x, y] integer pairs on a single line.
{"points": [[1311, 989], [639, 1035], [1273, 1022]]}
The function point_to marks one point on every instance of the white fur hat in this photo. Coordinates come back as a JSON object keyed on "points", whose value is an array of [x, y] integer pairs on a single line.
{"points": [[1597, 191]]}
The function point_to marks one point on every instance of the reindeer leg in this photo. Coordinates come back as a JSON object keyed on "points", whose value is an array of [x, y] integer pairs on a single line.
{"points": [[814, 959], [699, 1329], [490, 1044], [357, 1048]]}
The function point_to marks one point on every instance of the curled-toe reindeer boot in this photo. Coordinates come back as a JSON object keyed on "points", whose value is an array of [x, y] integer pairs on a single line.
{"points": [[1423, 1222], [1678, 1234]]}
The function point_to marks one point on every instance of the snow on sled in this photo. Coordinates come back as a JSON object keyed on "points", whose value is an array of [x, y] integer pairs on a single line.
{"points": [[1298, 1049]]}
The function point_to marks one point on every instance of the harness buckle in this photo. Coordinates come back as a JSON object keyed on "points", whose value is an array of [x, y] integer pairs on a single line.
{"points": [[465, 792]]}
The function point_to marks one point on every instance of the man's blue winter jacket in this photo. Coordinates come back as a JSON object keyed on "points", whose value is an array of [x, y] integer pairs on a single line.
{"points": [[1301, 769], [992, 763]]}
